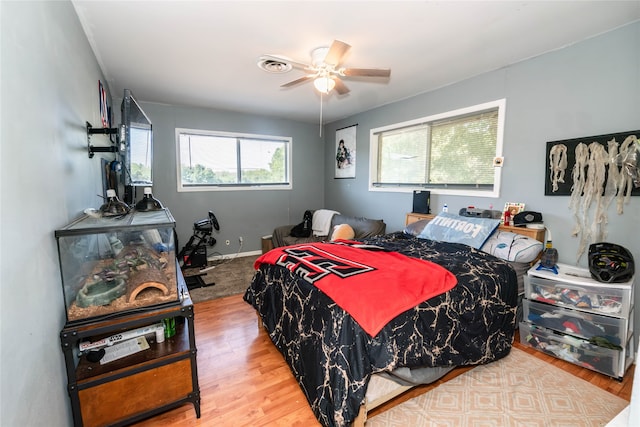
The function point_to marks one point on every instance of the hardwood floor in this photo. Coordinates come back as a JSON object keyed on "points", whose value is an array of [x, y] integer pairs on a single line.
{"points": [[244, 381]]}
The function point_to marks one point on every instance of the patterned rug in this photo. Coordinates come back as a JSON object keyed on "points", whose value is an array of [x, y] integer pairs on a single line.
{"points": [[519, 390], [230, 277]]}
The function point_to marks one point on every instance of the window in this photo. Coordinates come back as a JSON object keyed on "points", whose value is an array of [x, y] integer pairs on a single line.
{"points": [[229, 161], [450, 153]]}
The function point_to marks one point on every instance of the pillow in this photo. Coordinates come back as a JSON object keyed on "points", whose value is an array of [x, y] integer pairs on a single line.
{"points": [[446, 227], [415, 228], [363, 227], [342, 232], [512, 247]]}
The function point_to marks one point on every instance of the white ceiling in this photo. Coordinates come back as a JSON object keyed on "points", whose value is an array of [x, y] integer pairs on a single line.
{"points": [[204, 53]]}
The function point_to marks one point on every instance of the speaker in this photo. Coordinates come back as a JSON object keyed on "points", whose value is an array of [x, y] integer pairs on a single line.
{"points": [[421, 201]]}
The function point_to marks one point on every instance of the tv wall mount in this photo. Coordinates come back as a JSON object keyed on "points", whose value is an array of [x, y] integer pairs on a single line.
{"points": [[101, 131]]}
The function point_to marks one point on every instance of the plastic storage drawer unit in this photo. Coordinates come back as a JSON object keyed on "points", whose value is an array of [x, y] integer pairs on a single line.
{"points": [[573, 287], [608, 361], [578, 323]]}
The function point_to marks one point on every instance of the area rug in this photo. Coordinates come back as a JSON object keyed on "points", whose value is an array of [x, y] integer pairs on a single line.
{"points": [[230, 277], [518, 390]]}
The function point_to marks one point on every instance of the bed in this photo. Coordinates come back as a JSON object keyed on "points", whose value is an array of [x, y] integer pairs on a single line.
{"points": [[340, 364]]}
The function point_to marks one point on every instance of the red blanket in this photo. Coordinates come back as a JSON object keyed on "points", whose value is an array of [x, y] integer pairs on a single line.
{"points": [[373, 286]]}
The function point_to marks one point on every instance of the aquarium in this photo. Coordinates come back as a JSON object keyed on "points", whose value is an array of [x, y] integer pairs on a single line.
{"points": [[112, 265]]}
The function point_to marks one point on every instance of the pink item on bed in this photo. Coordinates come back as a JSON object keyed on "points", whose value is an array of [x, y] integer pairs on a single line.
{"points": [[373, 286]]}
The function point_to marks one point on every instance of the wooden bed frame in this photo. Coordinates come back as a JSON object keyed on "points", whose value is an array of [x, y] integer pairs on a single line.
{"points": [[374, 397], [367, 406]]}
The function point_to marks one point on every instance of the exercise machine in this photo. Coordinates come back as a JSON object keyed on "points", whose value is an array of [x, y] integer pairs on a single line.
{"points": [[194, 253]]}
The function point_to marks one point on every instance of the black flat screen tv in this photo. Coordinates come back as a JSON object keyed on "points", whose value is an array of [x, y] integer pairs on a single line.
{"points": [[137, 133]]}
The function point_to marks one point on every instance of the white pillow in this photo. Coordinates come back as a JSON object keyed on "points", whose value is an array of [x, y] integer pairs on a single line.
{"points": [[342, 232], [512, 247]]}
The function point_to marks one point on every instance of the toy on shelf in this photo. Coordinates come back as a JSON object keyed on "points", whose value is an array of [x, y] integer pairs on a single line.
{"points": [[549, 258]]}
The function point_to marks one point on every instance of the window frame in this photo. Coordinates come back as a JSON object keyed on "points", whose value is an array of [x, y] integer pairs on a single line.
{"points": [[288, 143], [500, 104]]}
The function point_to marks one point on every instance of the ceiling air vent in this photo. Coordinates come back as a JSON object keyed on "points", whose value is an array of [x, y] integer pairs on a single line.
{"points": [[271, 65]]}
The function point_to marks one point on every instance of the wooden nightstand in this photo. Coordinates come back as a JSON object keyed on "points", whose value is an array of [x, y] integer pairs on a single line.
{"points": [[534, 233]]}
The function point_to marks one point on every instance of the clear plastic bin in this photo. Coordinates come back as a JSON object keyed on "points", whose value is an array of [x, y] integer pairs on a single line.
{"points": [[578, 323], [573, 287], [578, 351]]}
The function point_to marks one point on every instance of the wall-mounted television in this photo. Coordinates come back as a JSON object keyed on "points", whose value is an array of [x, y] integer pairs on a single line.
{"points": [[137, 157]]}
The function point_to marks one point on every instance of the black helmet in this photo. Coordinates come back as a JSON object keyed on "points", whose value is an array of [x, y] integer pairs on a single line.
{"points": [[610, 263]]}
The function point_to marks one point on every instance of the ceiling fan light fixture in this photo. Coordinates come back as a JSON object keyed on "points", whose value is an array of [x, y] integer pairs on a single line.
{"points": [[324, 84], [317, 56], [325, 69]]}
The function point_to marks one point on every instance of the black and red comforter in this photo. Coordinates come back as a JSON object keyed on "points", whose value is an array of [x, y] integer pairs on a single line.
{"points": [[332, 357]]}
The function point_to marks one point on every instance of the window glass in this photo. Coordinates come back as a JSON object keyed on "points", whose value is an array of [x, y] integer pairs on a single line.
{"points": [[218, 161], [468, 142], [451, 153]]}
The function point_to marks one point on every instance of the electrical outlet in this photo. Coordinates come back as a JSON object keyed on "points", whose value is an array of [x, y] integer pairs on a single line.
{"points": [[227, 242]]}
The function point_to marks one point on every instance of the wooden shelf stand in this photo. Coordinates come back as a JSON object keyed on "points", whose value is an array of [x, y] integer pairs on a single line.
{"points": [[140, 385]]}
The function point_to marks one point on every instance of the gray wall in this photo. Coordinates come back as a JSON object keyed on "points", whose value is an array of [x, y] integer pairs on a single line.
{"points": [[49, 90], [250, 214], [587, 89]]}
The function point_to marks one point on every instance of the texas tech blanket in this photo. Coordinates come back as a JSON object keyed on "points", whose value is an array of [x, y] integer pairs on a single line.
{"points": [[372, 285]]}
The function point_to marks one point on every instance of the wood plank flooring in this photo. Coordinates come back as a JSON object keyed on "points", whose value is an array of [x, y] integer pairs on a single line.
{"points": [[244, 381]]}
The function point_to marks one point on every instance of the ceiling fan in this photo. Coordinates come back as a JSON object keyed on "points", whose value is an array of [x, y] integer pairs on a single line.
{"points": [[324, 70]]}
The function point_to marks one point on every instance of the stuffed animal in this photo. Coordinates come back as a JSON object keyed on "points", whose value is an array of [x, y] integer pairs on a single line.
{"points": [[342, 232]]}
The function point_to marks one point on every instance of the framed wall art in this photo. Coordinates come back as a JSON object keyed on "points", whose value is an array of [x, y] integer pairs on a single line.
{"points": [[345, 159], [514, 208], [563, 155]]}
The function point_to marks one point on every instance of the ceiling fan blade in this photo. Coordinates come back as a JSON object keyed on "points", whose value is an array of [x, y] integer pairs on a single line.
{"points": [[298, 81], [280, 58], [340, 87], [336, 52], [366, 72]]}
